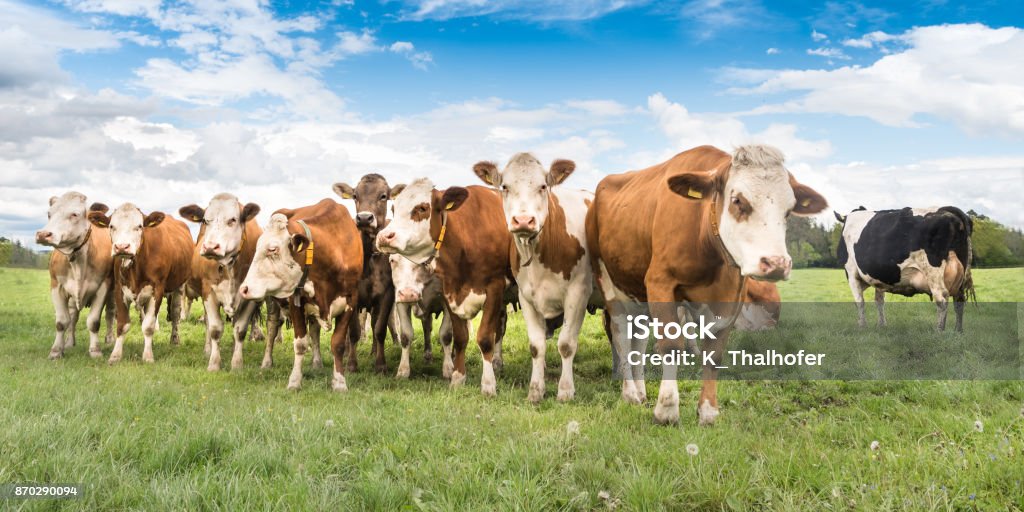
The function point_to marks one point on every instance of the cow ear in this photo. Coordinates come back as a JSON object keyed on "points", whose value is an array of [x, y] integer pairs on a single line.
{"points": [[249, 212], [343, 190], [488, 172], [693, 185], [395, 190], [808, 201], [192, 212], [452, 198], [560, 170], [99, 207], [153, 219], [98, 218], [840, 218], [53, 199], [298, 242]]}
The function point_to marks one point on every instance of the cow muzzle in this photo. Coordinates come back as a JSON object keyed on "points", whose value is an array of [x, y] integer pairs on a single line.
{"points": [[523, 224], [44, 237], [407, 295], [366, 220], [123, 250], [773, 268], [212, 250], [385, 241]]}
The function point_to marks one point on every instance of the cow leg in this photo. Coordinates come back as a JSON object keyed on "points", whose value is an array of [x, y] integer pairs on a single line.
{"points": [[339, 341], [880, 303], [857, 287], [174, 315], [301, 344], [62, 321], [355, 334], [403, 312], [536, 334], [314, 341], [568, 341], [93, 320], [460, 338], [109, 308], [150, 311], [666, 408], [499, 337], [256, 333], [941, 306], [619, 338], [446, 336], [244, 316], [273, 332], [959, 302], [123, 325], [214, 330], [186, 306], [427, 324], [381, 314], [606, 318], [486, 337], [707, 404], [69, 334]]}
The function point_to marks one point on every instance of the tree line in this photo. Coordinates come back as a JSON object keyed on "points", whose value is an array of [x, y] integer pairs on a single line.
{"points": [[814, 245], [14, 254]]}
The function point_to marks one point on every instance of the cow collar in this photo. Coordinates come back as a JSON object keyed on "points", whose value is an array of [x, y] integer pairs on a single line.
{"points": [[73, 254], [297, 295], [437, 243]]}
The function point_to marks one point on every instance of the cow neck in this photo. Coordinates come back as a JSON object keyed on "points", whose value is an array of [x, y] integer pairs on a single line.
{"points": [[73, 254], [437, 243], [732, 265], [297, 294]]}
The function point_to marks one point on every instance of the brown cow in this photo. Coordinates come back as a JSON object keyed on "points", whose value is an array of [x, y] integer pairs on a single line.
{"points": [[691, 230], [463, 231], [763, 306], [152, 254], [313, 257], [80, 272], [224, 250]]}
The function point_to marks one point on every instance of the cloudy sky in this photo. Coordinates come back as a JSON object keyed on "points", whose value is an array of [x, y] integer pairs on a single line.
{"points": [[168, 103]]}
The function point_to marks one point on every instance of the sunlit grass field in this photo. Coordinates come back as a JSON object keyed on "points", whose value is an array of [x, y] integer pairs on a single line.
{"points": [[173, 436]]}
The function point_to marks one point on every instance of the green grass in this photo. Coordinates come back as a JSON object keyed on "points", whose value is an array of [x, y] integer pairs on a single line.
{"points": [[173, 436]]}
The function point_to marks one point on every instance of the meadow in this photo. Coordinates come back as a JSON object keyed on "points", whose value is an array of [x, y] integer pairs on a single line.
{"points": [[173, 436]]}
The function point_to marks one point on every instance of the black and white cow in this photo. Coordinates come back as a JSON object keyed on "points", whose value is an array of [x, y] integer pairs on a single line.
{"points": [[908, 251]]}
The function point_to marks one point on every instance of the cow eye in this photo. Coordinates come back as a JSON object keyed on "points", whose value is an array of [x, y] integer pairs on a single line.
{"points": [[383, 197], [736, 201], [74, 215], [232, 221], [504, 188], [543, 188]]}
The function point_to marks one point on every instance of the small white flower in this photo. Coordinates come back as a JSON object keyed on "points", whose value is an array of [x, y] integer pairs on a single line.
{"points": [[978, 426], [604, 495], [572, 428], [329, 423], [692, 449], [875, 445]]}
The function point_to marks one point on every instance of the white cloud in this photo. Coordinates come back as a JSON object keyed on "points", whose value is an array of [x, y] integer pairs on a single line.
{"points": [[831, 53], [686, 129], [419, 60], [529, 10], [871, 39], [709, 17], [969, 75], [818, 36], [772, 51]]}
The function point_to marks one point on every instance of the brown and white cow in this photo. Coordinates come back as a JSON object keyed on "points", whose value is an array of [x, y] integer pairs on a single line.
{"points": [[223, 253], [152, 254], [549, 259], [80, 272], [376, 291], [692, 229], [418, 293], [762, 307], [463, 231], [313, 257]]}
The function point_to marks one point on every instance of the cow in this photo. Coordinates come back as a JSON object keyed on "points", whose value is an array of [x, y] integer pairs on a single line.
{"points": [[462, 231], [223, 252], [312, 257], [418, 293], [80, 272], [376, 291], [151, 257], [549, 256], [907, 252], [762, 307], [692, 230]]}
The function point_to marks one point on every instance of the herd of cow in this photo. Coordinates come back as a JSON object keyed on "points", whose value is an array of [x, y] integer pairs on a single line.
{"points": [[704, 227]]}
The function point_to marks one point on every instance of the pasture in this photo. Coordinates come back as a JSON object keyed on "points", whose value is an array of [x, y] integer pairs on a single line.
{"points": [[173, 436]]}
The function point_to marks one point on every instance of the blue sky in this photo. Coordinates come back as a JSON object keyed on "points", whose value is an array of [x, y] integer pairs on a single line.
{"points": [[885, 105]]}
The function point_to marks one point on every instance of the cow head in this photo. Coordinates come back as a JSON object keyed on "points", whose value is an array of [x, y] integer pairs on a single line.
{"points": [[276, 269], [127, 226], [223, 223], [67, 226], [409, 278], [525, 186], [417, 214], [754, 197], [371, 196]]}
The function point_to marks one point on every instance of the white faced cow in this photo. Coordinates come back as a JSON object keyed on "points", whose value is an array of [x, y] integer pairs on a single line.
{"points": [[80, 271], [908, 251], [550, 262], [418, 293]]}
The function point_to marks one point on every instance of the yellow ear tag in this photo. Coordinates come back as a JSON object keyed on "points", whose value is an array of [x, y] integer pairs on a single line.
{"points": [[805, 203], [346, 195], [151, 224], [449, 205], [195, 218], [694, 193]]}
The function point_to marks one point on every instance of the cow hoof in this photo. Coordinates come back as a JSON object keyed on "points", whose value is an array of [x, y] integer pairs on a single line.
{"points": [[447, 369], [175, 340], [428, 358], [108, 339], [236, 363], [267, 363], [458, 379], [489, 390], [497, 363], [317, 364], [294, 383], [536, 393], [56, 354], [403, 372], [350, 367], [95, 354], [114, 359], [381, 369], [631, 397], [707, 414], [338, 383], [212, 367], [566, 395], [666, 412], [148, 358]]}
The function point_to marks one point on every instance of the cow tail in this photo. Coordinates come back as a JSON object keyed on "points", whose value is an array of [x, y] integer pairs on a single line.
{"points": [[968, 286]]}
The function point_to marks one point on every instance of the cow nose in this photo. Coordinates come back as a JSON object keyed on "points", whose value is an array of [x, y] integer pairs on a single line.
{"points": [[244, 291], [774, 268], [209, 248], [385, 238], [408, 295], [121, 248], [523, 222], [43, 236], [364, 218]]}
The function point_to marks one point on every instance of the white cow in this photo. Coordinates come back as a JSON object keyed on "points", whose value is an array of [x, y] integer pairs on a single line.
{"points": [[418, 292]]}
